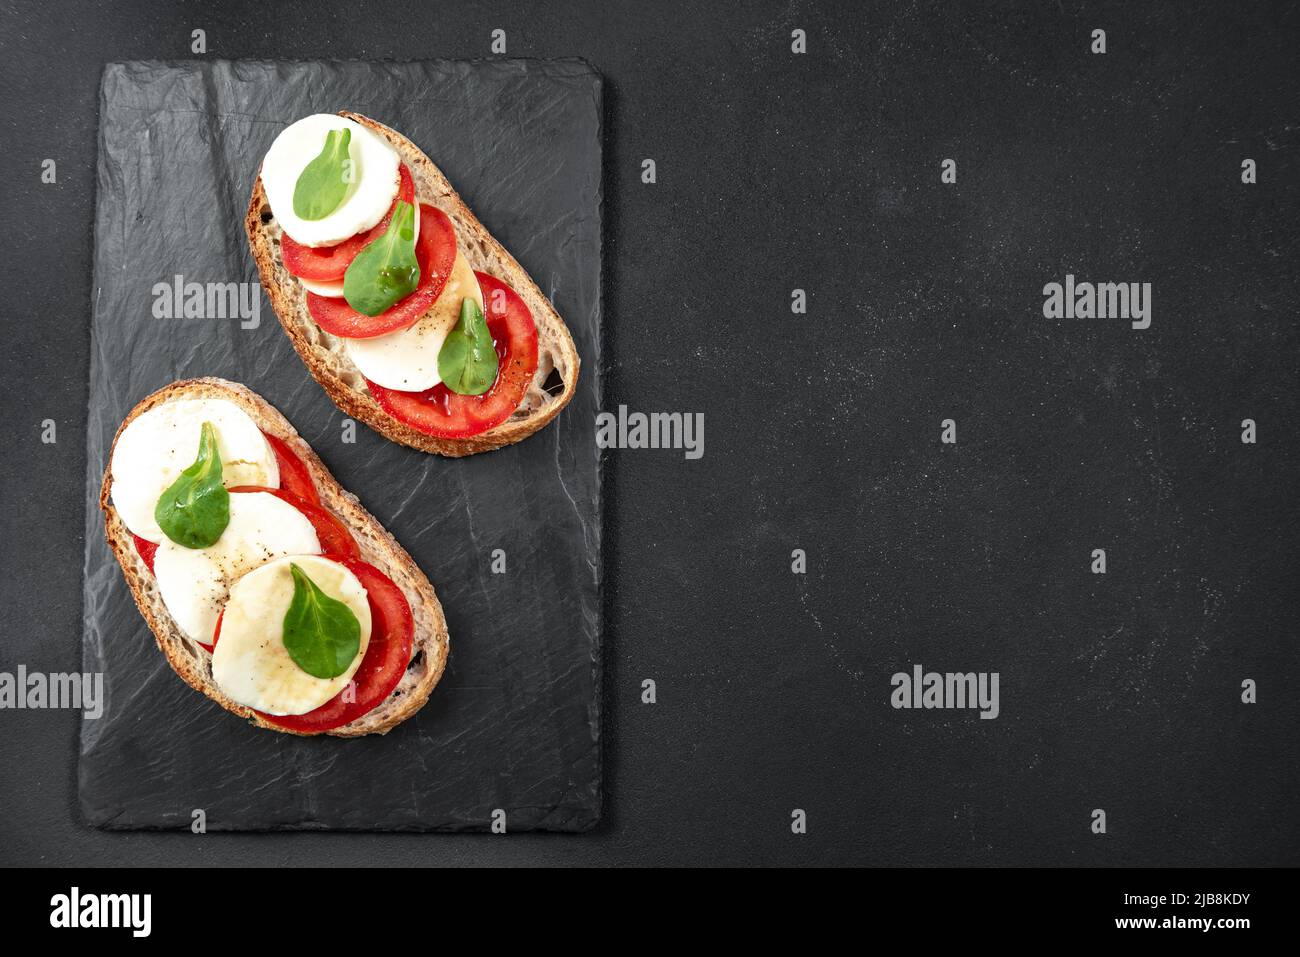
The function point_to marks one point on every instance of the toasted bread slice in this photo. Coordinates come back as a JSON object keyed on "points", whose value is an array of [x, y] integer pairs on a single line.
{"points": [[327, 360], [194, 664]]}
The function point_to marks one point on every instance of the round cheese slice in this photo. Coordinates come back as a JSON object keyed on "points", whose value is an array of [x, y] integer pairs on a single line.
{"points": [[330, 290], [251, 664], [158, 445], [407, 360], [194, 582], [374, 187]]}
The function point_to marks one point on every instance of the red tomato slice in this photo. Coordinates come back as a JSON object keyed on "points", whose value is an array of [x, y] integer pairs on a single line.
{"points": [[392, 636], [147, 550], [435, 251], [294, 476], [329, 263], [335, 539], [444, 414]]}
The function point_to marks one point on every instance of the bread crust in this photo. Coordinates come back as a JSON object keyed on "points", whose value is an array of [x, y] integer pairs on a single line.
{"points": [[378, 547], [328, 363]]}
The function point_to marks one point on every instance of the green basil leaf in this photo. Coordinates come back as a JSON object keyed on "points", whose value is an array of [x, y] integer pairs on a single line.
{"points": [[467, 361], [321, 634], [326, 181], [386, 271], [195, 509]]}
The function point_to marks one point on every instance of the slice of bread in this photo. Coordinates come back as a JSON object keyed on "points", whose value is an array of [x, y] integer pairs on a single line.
{"points": [[378, 547], [328, 362]]}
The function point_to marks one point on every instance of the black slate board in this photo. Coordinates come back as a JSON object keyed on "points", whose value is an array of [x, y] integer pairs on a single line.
{"points": [[515, 722]]}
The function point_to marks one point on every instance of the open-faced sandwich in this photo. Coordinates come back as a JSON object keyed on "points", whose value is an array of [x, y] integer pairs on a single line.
{"points": [[268, 587], [403, 307]]}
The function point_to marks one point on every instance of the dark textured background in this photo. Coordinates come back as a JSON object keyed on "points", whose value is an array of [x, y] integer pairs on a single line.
{"points": [[821, 172]]}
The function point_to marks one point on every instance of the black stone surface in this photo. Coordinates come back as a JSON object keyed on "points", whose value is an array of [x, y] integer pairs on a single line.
{"points": [[515, 722], [822, 172]]}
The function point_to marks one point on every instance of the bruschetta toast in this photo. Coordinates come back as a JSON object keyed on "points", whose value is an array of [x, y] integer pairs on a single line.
{"points": [[267, 586], [405, 309]]}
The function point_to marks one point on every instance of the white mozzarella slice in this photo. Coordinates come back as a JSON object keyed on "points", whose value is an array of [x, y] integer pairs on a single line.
{"points": [[375, 166], [251, 664], [158, 445], [194, 582], [331, 290], [408, 359]]}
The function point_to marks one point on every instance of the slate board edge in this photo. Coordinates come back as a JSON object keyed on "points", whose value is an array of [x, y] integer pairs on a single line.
{"points": [[587, 818]]}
